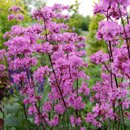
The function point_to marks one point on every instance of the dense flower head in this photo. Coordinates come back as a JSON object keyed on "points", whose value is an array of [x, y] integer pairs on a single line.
{"points": [[57, 6], [46, 14], [37, 28], [127, 28], [40, 72], [11, 16], [56, 27], [109, 30], [47, 47], [31, 110], [2, 52], [15, 8], [16, 30], [38, 48], [84, 88], [103, 110], [124, 3], [55, 121], [25, 62], [59, 108], [120, 60], [20, 17], [2, 67], [47, 106], [37, 119], [75, 121], [76, 102], [108, 5], [91, 118], [18, 78], [20, 44], [99, 57]]}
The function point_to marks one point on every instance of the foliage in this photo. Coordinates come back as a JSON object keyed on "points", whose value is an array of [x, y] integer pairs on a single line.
{"points": [[74, 20], [85, 22], [93, 44], [29, 4]]}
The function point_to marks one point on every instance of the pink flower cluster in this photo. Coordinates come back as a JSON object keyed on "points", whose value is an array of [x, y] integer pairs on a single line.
{"points": [[2, 67], [65, 61], [75, 121], [112, 93], [13, 16], [26, 62], [18, 78], [48, 13], [109, 30], [40, 72], [90, 118], [99, 57], [64, 52], [15, 9]]}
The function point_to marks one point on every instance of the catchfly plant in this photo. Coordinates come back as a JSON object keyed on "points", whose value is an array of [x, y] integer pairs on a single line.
{"points": [[67, 97]]}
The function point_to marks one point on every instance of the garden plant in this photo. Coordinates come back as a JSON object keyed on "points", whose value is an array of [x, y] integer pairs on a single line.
{"points": [[61, 76]]}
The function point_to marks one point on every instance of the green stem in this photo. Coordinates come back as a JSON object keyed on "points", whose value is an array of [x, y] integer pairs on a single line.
{"points": [[25, 113]]}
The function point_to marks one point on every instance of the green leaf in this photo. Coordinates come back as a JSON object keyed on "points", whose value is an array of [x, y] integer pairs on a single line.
{"points": [[12, 121], [127, 123], [38, 128], [12, 109]]}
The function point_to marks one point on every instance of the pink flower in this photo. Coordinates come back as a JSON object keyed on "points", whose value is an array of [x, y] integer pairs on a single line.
{"points": [[19, 17], [11, 16], [40, 72], [84, 88], [37, 119], [2, 67], [26, 101], [15, 8], [32, 100], [55, 121], [47, 106], [22, 77], [99, 57], [66, 16], [59, 108], [72, 120], [78, 121], [82, 128], [47, 48], [31, 110]]}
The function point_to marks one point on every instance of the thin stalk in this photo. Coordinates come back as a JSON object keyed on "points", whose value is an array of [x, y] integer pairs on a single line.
{"points": [[124, 30], [89, 126], [122, 114], [77, 110], [25, 113], [60, 90], [56, 79], [77, 86], [110, 71], [42, 118]]}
